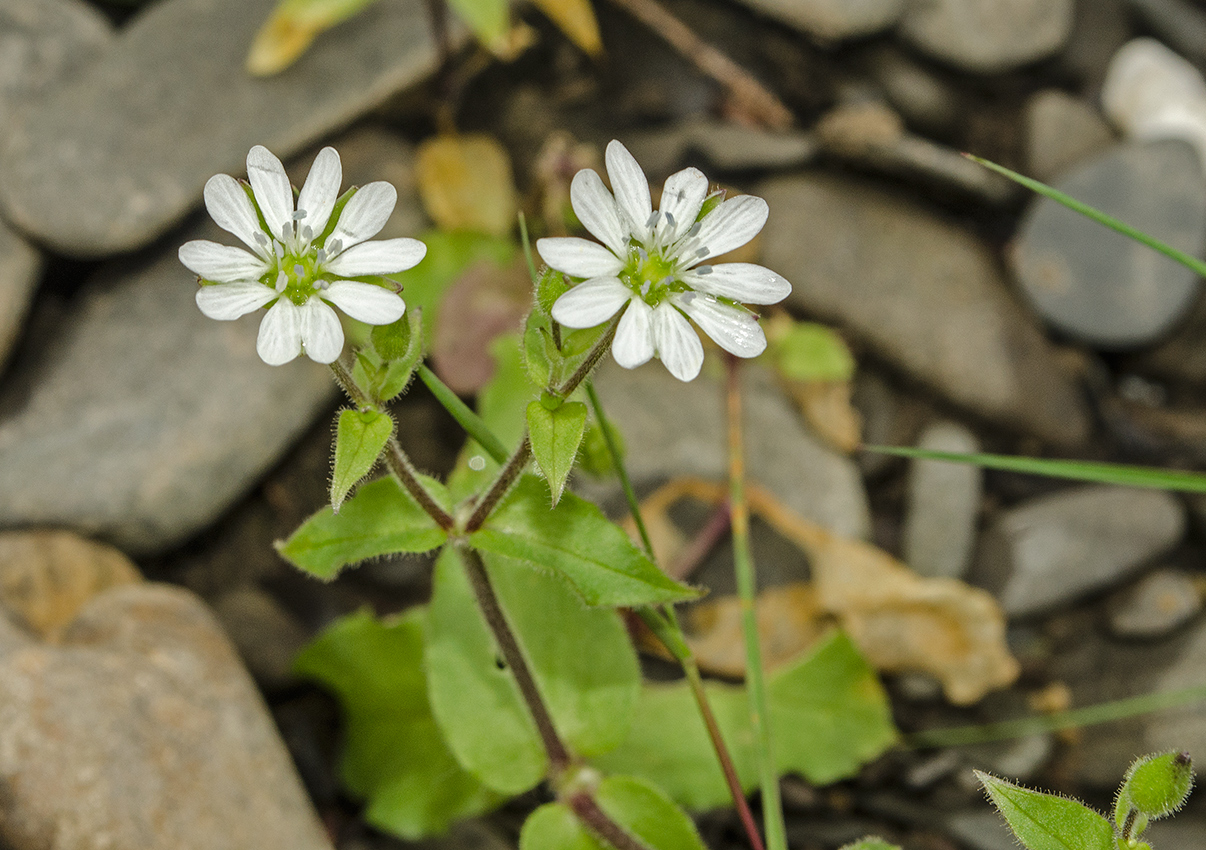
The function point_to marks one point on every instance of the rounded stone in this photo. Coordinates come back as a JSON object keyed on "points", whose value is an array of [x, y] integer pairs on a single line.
{"points": [[1096, 285], [987, 36]]}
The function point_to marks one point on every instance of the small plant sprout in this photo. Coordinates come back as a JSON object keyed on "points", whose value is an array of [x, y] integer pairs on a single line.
{"points": [[303, 258], [651, 265], [1155, 786]]}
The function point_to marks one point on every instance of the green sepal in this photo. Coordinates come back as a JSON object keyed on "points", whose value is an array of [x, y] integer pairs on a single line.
{"points": [[1046, 821], [576, 541], [394, 757], [1155, 786], [393, 341], [555, 435], [550, 286], [380, 519], [359, 438], [711, 202]]}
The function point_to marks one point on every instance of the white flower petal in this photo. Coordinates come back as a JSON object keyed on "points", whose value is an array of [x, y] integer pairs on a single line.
{"points": [[387, 256], [682, 197], [280, 336], [733, 223], [232, 210], [678, 346], [578, 257], [321, 189], [733, 329], [228, 301], [365, 214], [321, 333], [633, 344], [744, 282], [596, 209], [225, 263], [591, 302], [631, 188], [365, 302], [273, 192]]}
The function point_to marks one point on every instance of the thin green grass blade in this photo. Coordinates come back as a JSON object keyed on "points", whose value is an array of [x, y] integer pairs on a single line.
{"points": [[1074, 718], [1076, 470], [1192, 263]]}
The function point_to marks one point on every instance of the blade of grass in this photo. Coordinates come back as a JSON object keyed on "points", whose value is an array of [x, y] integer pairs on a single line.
{"points": [[1192, 263], [1076, 470]]}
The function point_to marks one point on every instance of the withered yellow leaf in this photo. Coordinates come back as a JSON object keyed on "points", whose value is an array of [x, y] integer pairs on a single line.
{"points": [[291, 28], [575, 18], [465, 183]]}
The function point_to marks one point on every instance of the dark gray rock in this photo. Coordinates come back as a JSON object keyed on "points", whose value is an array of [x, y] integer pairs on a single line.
{"points": [[142, 731], [1156, 605], [673, 428], [987, 36], [922, 292], [724, 145], [44, 44], [943, 505], [1061, 130], [926, 101], [267, 636], [833, 20], [20, 268], [144, 420], [1053, 549], [110, 162], [1101, 287]]}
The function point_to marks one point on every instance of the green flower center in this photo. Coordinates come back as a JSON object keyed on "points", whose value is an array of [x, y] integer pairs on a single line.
{"points": [[296, 276], [651, 275]]}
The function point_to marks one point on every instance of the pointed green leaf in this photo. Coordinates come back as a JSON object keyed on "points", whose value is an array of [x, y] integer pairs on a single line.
{"points": [[381, 519], [582, 660], [554, 826], [556, 435], [1075, 470], [576, 541], [394, 756], [359, 438], [644, 810], [490, 20], [1047, 822], [830, 715]]}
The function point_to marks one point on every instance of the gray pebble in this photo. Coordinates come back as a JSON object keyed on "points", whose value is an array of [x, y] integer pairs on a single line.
{"points": [[987, 36], [110, 162], [833, 20], [924, 293], [1061, 130], [1052, 550], [943, 504], [1156, 605], [266, 635], [1103, 288], [20, 269]]}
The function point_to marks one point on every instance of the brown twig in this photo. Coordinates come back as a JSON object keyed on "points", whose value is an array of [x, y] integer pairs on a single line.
{"points": [[749, 94]]}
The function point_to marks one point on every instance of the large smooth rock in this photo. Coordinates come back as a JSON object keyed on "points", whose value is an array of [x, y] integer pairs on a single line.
{"points": [[110, 162], [1100, 287], [833, 20], [1053, 549], [1061, 130], [943, 504], [673, 429], [142, 731], [924, 293], [144, 420], [43, 44], [20, 269], [987, 36]]}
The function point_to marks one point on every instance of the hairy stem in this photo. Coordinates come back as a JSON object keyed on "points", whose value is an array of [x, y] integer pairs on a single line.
{"points": [[487, 601], [743, 561], [664, 624], [395, 459]]}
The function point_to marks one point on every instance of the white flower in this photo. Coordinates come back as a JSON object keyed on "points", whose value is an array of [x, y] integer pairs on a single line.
{"points": [[300, 258], [651, 262]]}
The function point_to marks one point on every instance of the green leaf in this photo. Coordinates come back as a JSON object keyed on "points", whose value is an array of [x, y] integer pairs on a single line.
{"points": [[554, 826], [394, 756], [870, 842], [556, 435], [812, 352], [829, 714], [359, 438], [1192, 263], [381, 519], [576, 541], [1076, 470], [473, 696], [1047, 822], [490, 20], [644, 810], [582, 659]]}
